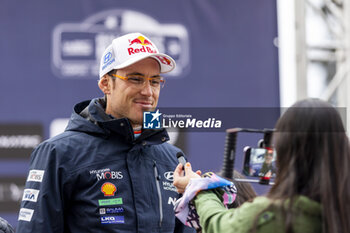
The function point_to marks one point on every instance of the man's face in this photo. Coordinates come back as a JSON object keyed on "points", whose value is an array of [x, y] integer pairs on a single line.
{"points": [[128, 100], [268, 158]]}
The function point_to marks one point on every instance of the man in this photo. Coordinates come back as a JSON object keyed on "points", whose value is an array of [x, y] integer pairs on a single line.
{"points": [[268, 167], [105, 173]]}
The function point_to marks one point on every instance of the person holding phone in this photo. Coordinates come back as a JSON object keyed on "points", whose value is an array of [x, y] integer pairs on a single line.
{"points": [[312, 186]]}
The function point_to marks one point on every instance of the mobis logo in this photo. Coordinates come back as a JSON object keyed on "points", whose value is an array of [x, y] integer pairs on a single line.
{"points": [[110, 175], [107, 174]]}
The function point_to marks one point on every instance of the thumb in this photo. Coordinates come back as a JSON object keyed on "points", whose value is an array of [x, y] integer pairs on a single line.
{"points": [[188, 168]]}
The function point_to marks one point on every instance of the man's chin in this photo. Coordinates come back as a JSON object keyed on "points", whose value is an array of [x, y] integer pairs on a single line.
{"points": [[139, 120], [135, 122], [148, 109]]}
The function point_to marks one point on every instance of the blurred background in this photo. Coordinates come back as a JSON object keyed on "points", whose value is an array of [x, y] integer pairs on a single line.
{"points": [[253, 54]]}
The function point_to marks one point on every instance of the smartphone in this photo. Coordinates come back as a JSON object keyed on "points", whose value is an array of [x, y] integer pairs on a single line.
{"points": [[181, 158], [259, 162]]}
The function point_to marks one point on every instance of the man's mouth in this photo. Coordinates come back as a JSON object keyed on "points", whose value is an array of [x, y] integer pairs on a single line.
{"points": [[144, 104]]}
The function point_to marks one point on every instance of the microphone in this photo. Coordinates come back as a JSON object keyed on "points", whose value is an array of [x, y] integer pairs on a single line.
{"points": [[181, 158]]}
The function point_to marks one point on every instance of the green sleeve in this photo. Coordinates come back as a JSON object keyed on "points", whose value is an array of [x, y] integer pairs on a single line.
{"points": [[215, 218]]}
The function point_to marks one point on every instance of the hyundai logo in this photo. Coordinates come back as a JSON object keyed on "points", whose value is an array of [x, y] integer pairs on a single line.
{"points": [[107, 57], [169, 176]]}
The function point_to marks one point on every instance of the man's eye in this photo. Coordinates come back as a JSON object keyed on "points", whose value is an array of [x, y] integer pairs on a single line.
{"points": [[155, 81], [135, 79]]}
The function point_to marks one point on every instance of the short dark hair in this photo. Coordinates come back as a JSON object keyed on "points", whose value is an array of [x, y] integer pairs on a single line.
{"points": [[110, 73]]}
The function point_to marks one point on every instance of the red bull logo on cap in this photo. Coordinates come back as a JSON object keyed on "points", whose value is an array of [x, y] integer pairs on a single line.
{"points": [[145, 46], [140, 40]]}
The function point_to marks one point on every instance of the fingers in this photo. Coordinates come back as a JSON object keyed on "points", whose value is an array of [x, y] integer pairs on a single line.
{"points": [[188, 168], [190, 173], [180, 190], [182, 178], [178, 176], [178, 171]]}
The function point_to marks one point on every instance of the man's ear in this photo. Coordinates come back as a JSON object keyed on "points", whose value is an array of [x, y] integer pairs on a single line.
{"points": [[104, 84]]}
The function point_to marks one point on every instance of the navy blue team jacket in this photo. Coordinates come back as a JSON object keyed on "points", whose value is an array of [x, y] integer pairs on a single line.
{"points": [[96, 177]]}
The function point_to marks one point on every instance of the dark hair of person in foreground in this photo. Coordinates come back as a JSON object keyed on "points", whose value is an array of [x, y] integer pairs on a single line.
{"points": [[313, 159], [245, 191]]}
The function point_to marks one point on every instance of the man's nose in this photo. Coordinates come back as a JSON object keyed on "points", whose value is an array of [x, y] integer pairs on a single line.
{"points": [[147, 89]]}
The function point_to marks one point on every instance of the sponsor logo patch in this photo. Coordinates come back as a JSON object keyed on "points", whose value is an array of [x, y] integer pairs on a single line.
{"points": [[25, 214], [99, 171], [108, 189], [107, 57], [30, 195], [36, 175], [164, 60], [102, 210], [111, 210], [114, 201], [107, 174], [112, 219], [169, 175], [107, 64], [140, 40], [172, 200], [169, 186], [143, 49]]}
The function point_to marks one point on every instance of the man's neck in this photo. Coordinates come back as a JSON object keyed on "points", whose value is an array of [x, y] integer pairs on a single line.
{"points": [[136, 127]]}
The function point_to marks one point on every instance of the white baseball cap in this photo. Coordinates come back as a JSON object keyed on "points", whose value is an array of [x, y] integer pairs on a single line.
{"points": [[129, 49]]}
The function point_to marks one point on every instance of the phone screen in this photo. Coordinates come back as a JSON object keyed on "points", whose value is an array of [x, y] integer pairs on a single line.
{"points": [[260, 162]]}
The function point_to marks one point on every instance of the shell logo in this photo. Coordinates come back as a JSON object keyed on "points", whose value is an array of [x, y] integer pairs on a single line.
{"points": [[108, 189]]}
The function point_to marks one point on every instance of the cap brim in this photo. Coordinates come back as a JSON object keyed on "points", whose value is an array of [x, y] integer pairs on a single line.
{"points": [[166, 65]]}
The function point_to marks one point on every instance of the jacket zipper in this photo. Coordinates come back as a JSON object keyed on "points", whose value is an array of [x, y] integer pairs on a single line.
{"points": [[157, 178]]}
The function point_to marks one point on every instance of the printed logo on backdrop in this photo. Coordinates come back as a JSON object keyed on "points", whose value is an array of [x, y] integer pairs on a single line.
{"points": [[19, 140], [77, 47], [11, 193]]}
